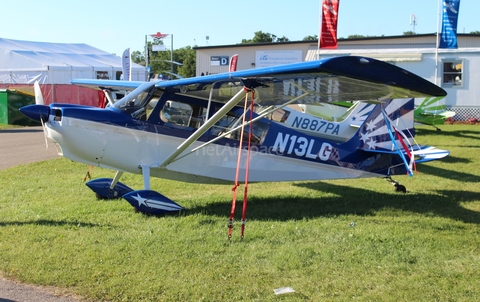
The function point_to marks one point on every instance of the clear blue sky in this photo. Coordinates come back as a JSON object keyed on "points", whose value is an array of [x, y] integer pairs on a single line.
{"points": [[113, 26]]}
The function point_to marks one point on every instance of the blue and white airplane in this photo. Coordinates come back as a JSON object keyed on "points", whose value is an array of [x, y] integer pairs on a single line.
{"points": [[198, 129]]}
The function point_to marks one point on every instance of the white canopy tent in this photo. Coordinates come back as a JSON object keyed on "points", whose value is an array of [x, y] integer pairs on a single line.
{"points": [[24, 62]]}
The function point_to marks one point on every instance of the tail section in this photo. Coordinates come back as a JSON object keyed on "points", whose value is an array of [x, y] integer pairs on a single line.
{"points": [[432, 105], [432, 111], [389, 129], [384, 119]]}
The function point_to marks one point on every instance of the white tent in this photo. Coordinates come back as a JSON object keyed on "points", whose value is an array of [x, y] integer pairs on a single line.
{"points": [[24, 62]]}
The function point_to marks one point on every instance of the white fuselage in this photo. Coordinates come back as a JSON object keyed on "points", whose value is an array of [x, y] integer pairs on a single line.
{"points": [[125, 149]]}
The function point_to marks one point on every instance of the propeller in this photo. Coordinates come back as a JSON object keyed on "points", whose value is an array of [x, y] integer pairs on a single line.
{"points": [[38, 94], [39, 101], [44, 132]]}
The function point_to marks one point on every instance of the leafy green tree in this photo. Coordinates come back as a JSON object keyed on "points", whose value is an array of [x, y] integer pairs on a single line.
{"points": [[262, 37], [187, 57], [160, 61], [138, 57], [355, 36], [409, 33], [310, 38], [476, 32]]}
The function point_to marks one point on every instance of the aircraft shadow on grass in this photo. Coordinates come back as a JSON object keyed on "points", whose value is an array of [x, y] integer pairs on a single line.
{"points": [[52, 223], [453, 160], [280, 207], [450, 174], [461, 133]]}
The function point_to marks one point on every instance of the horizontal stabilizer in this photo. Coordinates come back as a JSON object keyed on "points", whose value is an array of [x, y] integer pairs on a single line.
{"points": [[151, 202], [427, 153]]}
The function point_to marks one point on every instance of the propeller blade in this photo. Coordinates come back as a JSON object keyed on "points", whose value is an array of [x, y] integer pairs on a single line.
{"points": [[38, 94], [44, 132]]}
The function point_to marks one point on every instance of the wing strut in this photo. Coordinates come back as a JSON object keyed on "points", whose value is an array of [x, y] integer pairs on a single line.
{"points": [[264, 113], [204, 128]]}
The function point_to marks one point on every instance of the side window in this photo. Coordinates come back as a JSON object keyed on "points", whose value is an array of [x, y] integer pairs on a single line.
{"points": [[279, 115], [452, 73], [176, 113], [102, 75], [231, 121]]}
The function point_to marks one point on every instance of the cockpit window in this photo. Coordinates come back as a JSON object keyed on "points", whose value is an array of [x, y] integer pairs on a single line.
{"points": [[133, 102], [135, 98], [176, 113]]}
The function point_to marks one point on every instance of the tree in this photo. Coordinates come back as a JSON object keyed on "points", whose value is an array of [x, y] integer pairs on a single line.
{"points": [[282, 39], [310, 38], [355, 36], [138, 57], [476, 32], [409, 33], [187, 57], [261, 37], [160, 62]]}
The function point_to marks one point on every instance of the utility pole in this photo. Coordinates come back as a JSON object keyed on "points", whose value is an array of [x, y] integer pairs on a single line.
{"points": [[413, 22]]}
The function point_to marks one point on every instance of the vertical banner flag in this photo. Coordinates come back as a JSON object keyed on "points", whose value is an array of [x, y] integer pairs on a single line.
{"points": [[328, 26], [127, 65], [448, 36], [233, 63]]}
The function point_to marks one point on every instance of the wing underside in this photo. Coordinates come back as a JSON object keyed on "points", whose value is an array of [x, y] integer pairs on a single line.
{"points": [[336, 79]]}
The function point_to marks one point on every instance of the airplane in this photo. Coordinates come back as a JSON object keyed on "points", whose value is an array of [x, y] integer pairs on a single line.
{"points": [[235, 127], [335, 127], [430, 112]]}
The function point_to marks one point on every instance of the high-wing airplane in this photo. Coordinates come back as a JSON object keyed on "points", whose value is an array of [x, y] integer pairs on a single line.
{"points": [[432, 112], [236, 126], [429, 112]]}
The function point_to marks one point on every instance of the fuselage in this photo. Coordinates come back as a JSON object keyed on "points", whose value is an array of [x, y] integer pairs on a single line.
{"points": [[125, 140]]}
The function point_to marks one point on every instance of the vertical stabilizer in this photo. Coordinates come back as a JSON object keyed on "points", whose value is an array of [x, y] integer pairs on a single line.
{"points": [[375, 134]]}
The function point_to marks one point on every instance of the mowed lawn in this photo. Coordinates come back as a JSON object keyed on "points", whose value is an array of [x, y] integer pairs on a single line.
{"points": [[331, 240]]}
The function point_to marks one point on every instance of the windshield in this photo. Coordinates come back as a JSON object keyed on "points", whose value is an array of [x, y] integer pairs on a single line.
{"points": [[135, 98]]}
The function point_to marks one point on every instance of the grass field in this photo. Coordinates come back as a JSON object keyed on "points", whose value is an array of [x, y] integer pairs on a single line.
{"points": [[333, 240]]}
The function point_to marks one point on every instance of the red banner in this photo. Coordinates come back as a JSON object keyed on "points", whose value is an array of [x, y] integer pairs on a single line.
{"points": [[328, 28], [233, 63]]}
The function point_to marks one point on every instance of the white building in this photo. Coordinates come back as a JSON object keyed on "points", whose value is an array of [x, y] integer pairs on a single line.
{"points": [[24, 62], [455, 70]]}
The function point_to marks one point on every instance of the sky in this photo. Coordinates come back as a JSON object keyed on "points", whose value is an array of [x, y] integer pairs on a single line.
{"points": [[114, 26]]}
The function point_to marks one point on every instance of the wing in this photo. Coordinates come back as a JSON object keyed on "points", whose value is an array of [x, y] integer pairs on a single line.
{"points": [[112, 85], [348, 78], [335, 79]]}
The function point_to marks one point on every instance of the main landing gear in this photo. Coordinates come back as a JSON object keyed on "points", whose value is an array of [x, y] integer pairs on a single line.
{"points": [[145, 201]]}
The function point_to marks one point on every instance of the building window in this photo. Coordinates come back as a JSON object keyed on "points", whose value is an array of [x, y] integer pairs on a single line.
{"points": [[452, 73], [102, 75]]}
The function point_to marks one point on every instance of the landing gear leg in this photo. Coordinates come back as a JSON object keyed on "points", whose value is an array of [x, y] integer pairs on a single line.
{"points": [[116, 179]]}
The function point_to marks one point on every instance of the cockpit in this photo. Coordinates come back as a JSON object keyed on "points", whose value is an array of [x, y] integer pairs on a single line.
{"points": [[183, 111]]}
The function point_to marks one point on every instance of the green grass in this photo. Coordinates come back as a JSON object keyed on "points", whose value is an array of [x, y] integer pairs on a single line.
{"points": [[6, 127], [424, 245]]}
